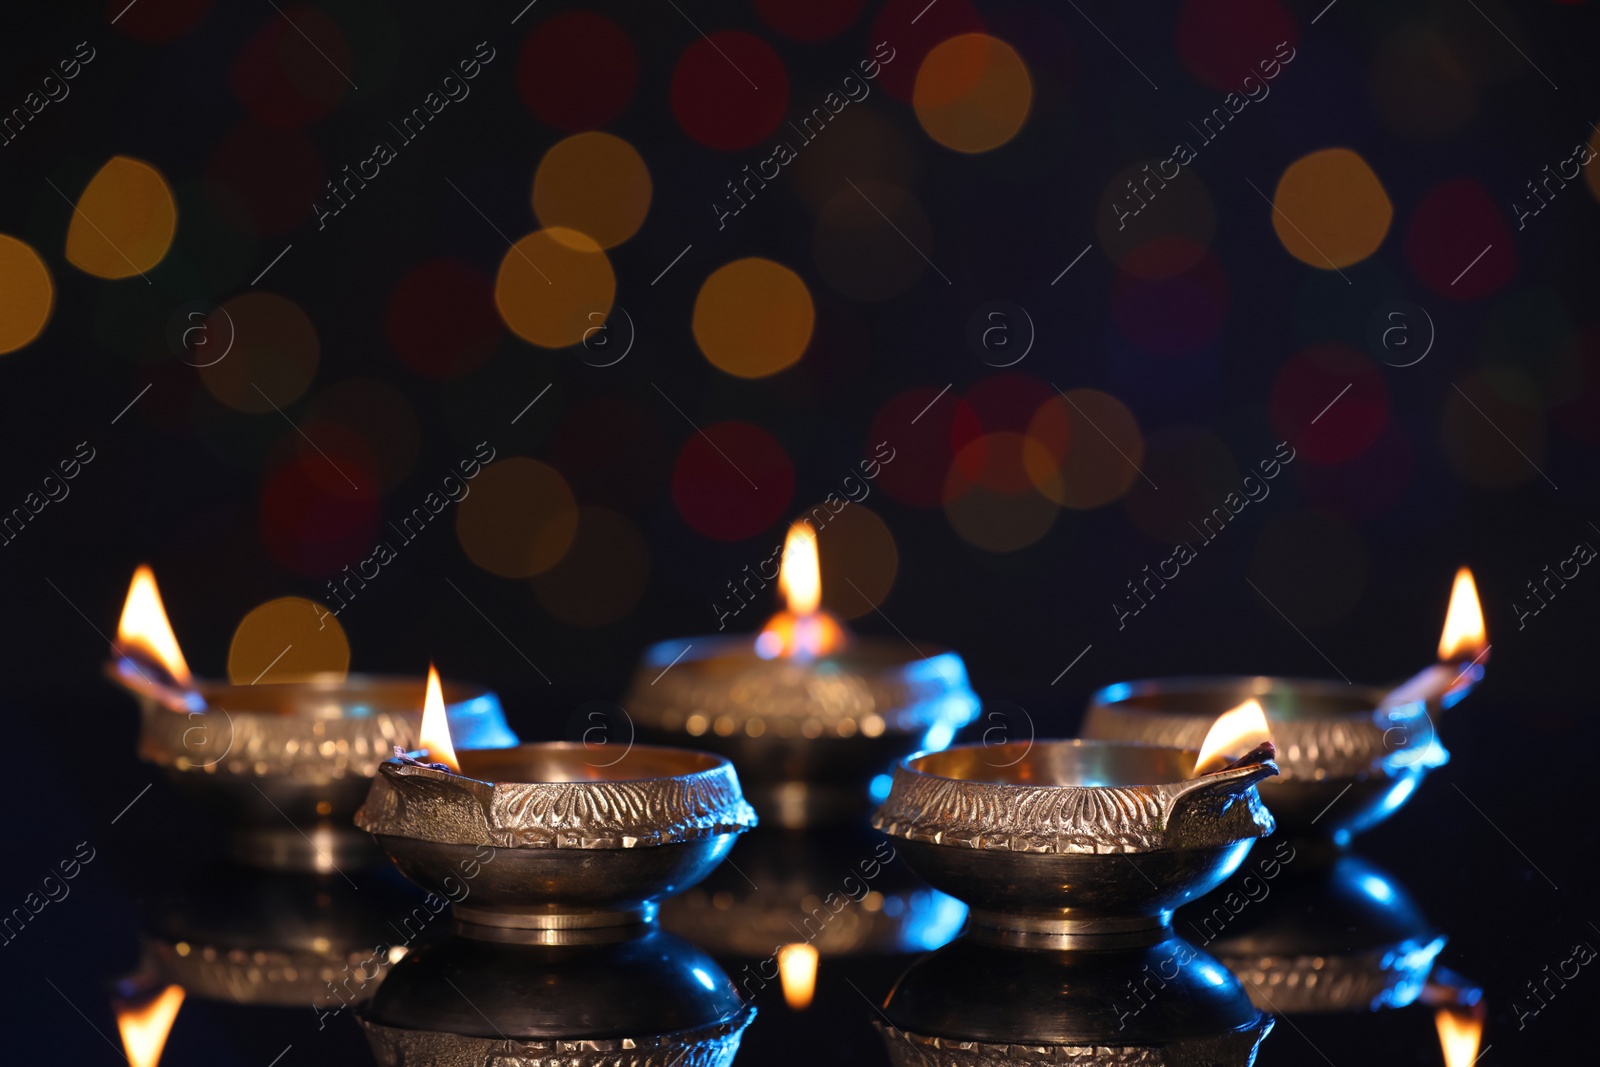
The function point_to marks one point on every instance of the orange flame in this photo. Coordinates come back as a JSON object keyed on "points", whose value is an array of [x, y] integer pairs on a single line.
{"points": [[145, 1028], [802, 630], [1464, 634], [1232, 735], [800, 576], [436, 725], [144, 626], [1460, 1033], [797, 968]]}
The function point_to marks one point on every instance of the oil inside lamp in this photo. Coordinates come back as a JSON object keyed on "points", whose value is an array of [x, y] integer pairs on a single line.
{"points": [[803, 630], [797, 969], [148, 658], [1236, 731], [1460, 1032], [435, 735], [145, 1026], [1463, 648]]}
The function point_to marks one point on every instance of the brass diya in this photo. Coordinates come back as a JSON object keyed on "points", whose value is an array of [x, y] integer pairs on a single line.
{"points": [[1351, 755], [1347, 762], [1053, 842], [288, 764], [975, 1004], [809, 713], [533, 841], [644, 999]]}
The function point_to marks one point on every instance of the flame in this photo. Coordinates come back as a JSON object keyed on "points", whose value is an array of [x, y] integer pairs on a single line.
{"points": [[436, 726], [803, 629], [1232, 735], [800, 576], [1464, 633], [797, 967], [145, 1028], [1459, 1035], [144, 626]]}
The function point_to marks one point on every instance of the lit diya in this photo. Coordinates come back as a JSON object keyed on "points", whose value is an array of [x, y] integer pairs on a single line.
{"points": [[287, 763], [1350, 754], [809, 712], [545, 842], [1061, 843]]}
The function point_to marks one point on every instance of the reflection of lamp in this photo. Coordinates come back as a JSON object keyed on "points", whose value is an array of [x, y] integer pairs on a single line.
{"points": [[287, 763], [837, 889], [809, 713], [1351, 755], [1310, 937], [284, 938], [613, 998], [973, 1004]]}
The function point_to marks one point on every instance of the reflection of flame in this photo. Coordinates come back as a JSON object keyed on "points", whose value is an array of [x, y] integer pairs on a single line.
{"points": [[144, 626], [436, 726], [1460, 1032], [145, 1028], [802, 630], [797, 967], [1464, 635], [1233, 734]]}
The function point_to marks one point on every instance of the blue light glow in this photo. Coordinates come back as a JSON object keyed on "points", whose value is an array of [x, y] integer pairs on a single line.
{"points": [[704, 979]]}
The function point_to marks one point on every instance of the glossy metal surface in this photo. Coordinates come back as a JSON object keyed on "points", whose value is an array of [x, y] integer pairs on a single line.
{"points": [[1346, 764], [646, 999], [1055, 841], [974, 1003]]}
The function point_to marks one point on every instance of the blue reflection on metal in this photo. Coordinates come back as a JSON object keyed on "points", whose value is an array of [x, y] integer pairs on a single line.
{"points": [[879, 787], [1114, 694], [479, 723], [935, 919], [703, 978], [1377, 888]]}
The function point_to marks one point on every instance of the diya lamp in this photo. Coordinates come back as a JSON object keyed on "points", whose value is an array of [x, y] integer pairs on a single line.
{"points": [[1062, 844], [538, 845], [287, 763], [1350, 755], [810, 713]]}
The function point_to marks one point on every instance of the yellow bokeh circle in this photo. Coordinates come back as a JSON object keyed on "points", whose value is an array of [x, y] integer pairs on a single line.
{"points": [[290, 639], [124, 222], [594, 183], [753, 317], [519, 518], [972, 93], [554, 285], [26, 294], [1330, 209]]}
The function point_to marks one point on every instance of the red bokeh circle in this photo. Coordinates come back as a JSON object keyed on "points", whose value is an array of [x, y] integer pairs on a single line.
{"points": [[732, 480]]}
